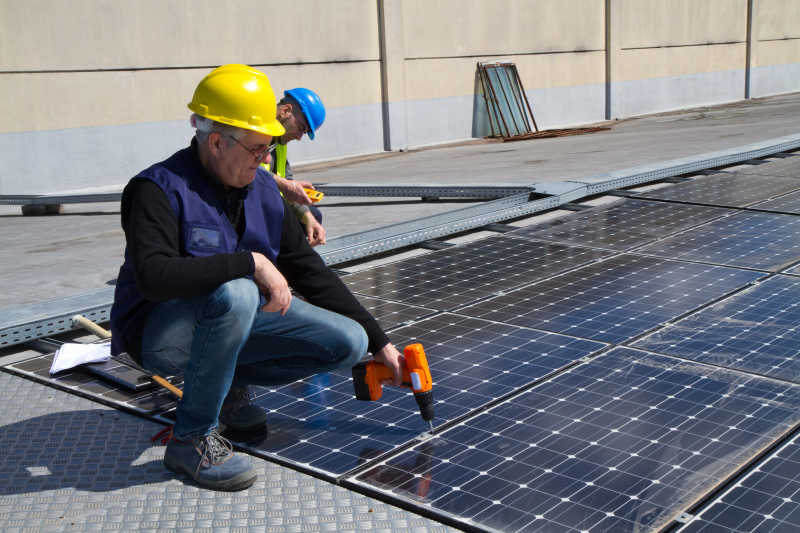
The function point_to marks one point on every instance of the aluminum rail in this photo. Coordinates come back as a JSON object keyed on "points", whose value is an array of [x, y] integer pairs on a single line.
{"points": [[52, 317], [422, 191]]}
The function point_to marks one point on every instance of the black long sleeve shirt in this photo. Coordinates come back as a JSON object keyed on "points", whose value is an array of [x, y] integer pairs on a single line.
{"points": [[153, 239]]}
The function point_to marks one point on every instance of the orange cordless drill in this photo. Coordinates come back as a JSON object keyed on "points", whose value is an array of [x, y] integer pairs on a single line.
{"points": [[367, 377]]}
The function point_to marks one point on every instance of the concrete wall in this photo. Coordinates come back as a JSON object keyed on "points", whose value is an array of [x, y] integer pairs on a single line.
{"points": [[95, 90]]}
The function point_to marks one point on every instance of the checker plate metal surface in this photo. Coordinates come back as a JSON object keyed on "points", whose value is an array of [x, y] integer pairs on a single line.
{"points": [[621, 226], [614, 300], [462, 274], [756, 330], [764, 241], [317, 424], [622, 443], [728, 190], [766, 500]]}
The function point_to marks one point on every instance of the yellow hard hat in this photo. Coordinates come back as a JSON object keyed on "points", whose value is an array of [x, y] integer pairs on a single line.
{"points": [[238, 95]]}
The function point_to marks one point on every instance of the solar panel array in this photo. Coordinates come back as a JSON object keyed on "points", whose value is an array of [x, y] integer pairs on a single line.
{"points": [[622, 443], [788, 203], [732, 190], [788, 166], [764, 241], [756, 330], [622, 225], [765, 500], [607, 371]]}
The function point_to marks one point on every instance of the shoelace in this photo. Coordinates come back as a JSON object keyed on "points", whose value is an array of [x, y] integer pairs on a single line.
{"points": [[214, 449]]}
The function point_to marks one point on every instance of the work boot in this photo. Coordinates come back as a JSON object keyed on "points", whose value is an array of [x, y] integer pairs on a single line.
{"points": [[239, 414], [211, 462]]}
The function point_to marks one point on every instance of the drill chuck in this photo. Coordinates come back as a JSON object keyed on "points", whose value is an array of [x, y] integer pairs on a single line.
{"points": [[425, 403]]}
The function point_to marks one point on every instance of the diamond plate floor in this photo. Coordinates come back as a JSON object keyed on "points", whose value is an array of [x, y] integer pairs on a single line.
{"points": [[69, 464]]}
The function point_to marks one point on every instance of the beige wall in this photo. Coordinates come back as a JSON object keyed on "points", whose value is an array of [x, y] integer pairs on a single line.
{"points": [[393, 73]]}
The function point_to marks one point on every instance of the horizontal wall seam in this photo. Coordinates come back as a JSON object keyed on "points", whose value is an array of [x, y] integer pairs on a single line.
{"points": [[778, 39], [681, 45], [508, 54], [202, 67]]}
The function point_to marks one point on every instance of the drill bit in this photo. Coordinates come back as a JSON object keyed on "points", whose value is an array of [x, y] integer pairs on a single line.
{"points": [[430, 424]]}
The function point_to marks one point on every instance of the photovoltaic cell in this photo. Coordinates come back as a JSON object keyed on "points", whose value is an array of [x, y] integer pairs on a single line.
{"points": [[756, 330], [728, 190], [622, 225], [318, 424], [767, 500], [788, 203], [393, 314], [614, 300], [455, 276], [764, 241], [621, 443]]}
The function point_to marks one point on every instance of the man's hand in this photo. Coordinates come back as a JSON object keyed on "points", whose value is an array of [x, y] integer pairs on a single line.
{"points": [[389, 356], [293, 190], [272, 283], [314, 230]]}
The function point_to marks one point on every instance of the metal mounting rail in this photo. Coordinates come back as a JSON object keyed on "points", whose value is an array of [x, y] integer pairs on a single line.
{"points": [[52, 317], [39, 199], [423, 191]]}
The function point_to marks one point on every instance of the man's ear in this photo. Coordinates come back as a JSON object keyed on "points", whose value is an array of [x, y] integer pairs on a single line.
{"points": [[214, 143], [284, 110]]}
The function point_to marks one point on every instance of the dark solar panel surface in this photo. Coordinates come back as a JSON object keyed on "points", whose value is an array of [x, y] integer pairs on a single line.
{"points": [[764, 241], [767, 500], [150, 401], [456, 276], [318, 424], [729, 190], [788, 167], [788, 203], [622, 225], [613, 300], [392, 314], [756, 330], [622, 443]]}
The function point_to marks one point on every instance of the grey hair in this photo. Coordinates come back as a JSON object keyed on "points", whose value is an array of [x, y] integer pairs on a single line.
{"points": [[204, 126]]}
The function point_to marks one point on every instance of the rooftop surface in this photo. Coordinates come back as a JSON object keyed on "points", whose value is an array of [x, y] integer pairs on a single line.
{"points": [[74, 464]]}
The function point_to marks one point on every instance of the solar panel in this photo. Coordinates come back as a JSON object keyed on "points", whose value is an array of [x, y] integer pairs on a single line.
{"points": [[767, 499], [318, 425], [729, 190], [765, 241], [788, 167], [448, 278], [622, 443], [621, 226], [149, 401], [788, 203], [392, 314], [614, 300], [756, 330]]}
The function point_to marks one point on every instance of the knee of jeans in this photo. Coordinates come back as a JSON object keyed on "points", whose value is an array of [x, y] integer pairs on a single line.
{"points": [[354, 345], [238, 296]]}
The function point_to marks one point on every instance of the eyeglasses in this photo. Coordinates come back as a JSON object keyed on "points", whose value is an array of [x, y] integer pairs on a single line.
{"points": [[258, 154]]}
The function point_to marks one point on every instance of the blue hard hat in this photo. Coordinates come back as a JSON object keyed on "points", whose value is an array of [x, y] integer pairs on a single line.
{"points": [[311, 105]]}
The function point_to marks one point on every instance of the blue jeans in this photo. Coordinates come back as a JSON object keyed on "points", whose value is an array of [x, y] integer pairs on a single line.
{"points": [[222, 338]]}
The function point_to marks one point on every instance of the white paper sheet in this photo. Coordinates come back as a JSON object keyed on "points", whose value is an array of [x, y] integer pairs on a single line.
{"points": [[73, 354]]}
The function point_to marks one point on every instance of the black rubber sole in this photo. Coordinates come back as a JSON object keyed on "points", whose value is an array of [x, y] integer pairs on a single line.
{"points": [[242, 481]]}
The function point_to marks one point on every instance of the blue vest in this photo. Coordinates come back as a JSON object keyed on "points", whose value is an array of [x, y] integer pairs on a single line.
{"points": [[205, 230]]}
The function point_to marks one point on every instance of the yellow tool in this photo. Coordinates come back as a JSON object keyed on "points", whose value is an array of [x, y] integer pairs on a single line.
{"points": [[314, 194]]}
